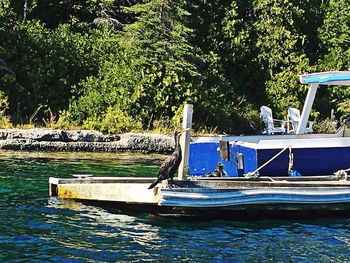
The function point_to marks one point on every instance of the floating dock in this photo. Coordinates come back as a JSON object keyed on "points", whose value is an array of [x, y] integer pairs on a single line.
{"points": [[210, 195]]}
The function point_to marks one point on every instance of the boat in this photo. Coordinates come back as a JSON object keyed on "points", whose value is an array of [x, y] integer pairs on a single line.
{"points": [[224, 198], [275, 154], [261, 178]]}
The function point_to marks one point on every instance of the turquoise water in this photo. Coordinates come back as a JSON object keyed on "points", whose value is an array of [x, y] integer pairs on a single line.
{"points": [[37, 228]]}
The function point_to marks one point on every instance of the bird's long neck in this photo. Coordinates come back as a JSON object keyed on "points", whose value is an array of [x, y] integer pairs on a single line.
{"points": [[177, 143]]}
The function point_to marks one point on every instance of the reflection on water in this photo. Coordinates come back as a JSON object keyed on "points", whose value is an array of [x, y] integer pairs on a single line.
{"points": [[36, 228], [111, 224], [115, 235]]}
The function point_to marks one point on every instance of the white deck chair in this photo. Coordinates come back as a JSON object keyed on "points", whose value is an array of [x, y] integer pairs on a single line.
{"points": [[293, 118], [266, 114]]}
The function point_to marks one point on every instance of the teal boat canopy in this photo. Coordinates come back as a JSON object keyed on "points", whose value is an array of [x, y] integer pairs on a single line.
{"points": [[330, 78], [338, 78]]}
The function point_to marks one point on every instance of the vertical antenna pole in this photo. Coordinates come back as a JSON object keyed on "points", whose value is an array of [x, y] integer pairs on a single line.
{"points": [[185, 141]]}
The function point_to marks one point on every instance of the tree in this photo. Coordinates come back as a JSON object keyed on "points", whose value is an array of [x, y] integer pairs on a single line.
{"points": [[335, 39], [152, 73], [164, 59], [281, 51]]}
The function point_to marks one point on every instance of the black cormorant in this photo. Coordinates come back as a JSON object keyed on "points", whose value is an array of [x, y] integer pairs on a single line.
{"points": [[169, 167]]}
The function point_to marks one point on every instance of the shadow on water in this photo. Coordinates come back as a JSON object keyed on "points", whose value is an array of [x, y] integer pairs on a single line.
{"points": [[157, 214], [169, 215]]}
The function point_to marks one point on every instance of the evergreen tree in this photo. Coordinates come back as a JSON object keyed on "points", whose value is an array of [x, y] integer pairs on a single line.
{"points": [[165, 61]]}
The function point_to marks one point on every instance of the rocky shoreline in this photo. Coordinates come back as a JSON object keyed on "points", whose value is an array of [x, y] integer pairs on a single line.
{"points": [[83, 140]]}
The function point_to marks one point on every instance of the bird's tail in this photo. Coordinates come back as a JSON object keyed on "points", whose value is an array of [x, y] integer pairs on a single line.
{"points": [[154, 183]]}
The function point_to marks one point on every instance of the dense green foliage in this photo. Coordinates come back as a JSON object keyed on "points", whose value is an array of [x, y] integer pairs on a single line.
{"points": [[121, 65]]}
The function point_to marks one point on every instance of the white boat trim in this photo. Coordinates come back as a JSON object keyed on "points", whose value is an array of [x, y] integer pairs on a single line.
{"points": [[204, 198], [298, 143]]}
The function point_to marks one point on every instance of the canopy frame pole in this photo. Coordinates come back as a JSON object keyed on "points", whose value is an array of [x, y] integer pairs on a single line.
{"points": [[310, 97]]}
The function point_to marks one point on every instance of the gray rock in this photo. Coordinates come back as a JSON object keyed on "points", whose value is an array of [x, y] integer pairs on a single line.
{"points": [[84, 136], [83, 140], [145, 142], [46, 135]]}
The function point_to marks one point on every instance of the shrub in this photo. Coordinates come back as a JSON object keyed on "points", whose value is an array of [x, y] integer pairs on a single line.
{"points": [[325, 126]]}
